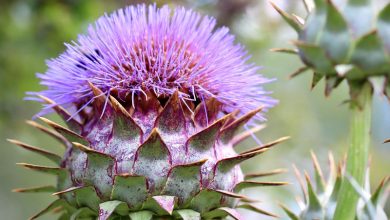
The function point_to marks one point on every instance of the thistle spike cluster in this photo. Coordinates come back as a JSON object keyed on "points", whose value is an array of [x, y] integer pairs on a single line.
{"points": [[320, 195], [336, 44], [154, 129]]}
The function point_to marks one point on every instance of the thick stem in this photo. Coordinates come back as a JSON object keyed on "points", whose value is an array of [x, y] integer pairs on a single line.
{"points": [[357, 154]]}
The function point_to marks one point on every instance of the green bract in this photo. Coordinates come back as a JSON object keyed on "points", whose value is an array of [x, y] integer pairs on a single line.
{"points": [[320, 195], [351, 43]]}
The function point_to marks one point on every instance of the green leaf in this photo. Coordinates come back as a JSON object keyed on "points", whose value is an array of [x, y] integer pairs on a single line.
{"points": [[83, 213], [364, 9], [335, 39], [153, 160], [315, 56], [314, 209], [369, 55], [56, 204], [130, 189], [187, 214], [384, 26], [289, 213], [161, 205], [316, 79], [49, 155], [141, 215], [184, 181], [288, 18], [205, 200], [315, 23], [70, 135], [221, 213], [87, 196], [64, 114], [106, 209], [230, 130], [100, 170], [125, 137]]}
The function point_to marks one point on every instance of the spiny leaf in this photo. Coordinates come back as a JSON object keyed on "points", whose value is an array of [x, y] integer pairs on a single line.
{"points": [[362, 8], [68, 134], [255, 209], [335, 39], [56, 204], [316, 78], [301, 182], [384, 26], [314, 203], [285, 50], [289, 213], [319, 177], [222, 212], [141, 215], [130, 189], [161, 205], [288, 18], [201, 144], [205, 200], [106, 209], [247, 184], [51, 133], [153, 160], [206, 112], [369, 54], [299, 72], [315, 56], [246, 134], [187, 214], [85, 196], [83, 213], [65, 115], [171, 120], [228, 132], [126, 136], [100, 170], [331, 83], [44, 169], [51, 156], [39, 189], [267, 145], [184, 181], [264, 174]]}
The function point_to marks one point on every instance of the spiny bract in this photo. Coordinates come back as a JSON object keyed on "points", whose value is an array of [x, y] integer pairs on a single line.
{"points": [[352, 43], [154, 101], [320, 196]]}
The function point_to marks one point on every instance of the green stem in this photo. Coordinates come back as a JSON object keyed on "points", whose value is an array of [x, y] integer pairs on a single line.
{"points": [[357, 154]]}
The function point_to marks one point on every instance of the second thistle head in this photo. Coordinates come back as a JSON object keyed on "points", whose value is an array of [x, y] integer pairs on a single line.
{"points": [[350, 43]]}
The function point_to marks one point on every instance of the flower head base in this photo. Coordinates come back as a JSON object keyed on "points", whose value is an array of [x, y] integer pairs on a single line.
{"points": [[140, 49], [351, 43]]}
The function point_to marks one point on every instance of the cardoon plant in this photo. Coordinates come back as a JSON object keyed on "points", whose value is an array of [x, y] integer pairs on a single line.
{"points": [[153, 99], [353, 44]]}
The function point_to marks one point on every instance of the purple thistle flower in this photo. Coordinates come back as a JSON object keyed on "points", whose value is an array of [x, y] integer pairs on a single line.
{"points": [[143, 48]]}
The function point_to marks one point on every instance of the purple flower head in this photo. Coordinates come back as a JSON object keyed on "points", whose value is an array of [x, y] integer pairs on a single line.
{"points": [[145, 48]]}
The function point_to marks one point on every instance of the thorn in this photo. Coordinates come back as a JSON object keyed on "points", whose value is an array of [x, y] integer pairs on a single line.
{"points": [[267, 145]]}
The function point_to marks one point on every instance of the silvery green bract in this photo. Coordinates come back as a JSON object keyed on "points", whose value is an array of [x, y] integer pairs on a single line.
{"points": [[351, 43], [320, 195]]}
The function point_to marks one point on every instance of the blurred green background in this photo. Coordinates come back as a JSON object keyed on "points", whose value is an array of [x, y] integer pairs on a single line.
{"points": [[34, 30]]}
